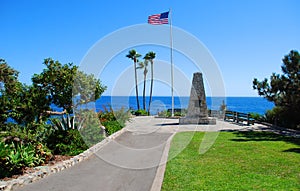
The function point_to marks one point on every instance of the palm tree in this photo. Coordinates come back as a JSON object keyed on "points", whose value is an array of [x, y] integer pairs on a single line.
{"points": [[133, 55], [144, 65], [150, 56]]}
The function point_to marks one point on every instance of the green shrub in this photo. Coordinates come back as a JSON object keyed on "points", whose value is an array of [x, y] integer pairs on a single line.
{"points": [[114, 121], [141, 112], [106, 115], [68, 142], [15, 157], [164, 113], [256, 116], [92, 135], [122, 116], [112, 126], [9, 127], [22, 146], [31, 133], [40, 132], [4, 168], [91, 130], [179, 114], [281, 116], [73, 135]]}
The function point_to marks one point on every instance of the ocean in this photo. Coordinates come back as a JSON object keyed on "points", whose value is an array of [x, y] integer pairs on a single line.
{"points": [[160, 103]]}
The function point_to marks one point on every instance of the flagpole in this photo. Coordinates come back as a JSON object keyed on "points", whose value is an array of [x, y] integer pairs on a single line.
{"points": [[172, 69]]}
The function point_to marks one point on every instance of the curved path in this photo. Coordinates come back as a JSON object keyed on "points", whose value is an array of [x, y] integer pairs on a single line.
{"points": [[135, 160], [129, 162]]}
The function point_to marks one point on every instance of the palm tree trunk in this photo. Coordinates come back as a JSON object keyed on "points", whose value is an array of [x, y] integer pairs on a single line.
{"points": [[136, 88], [144, 92], [151, 88]]}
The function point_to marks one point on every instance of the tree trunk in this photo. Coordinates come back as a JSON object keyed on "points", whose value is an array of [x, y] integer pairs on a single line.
{"points": [[136, 87], [151, 88], [56, 112], [144, 92]]}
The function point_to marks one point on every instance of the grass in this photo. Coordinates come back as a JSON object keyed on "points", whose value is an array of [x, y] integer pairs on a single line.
{"points": [[236, 161]]}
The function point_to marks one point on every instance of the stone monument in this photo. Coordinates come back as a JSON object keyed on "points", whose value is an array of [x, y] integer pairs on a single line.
{"points": [[197, 109]]}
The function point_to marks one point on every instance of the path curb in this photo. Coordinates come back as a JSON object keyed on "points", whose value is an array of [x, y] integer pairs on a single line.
{"points": [[44, 171], [160, 172]]}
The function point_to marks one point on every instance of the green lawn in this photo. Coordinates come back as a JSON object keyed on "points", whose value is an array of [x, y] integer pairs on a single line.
{"points": [[236, 161]]}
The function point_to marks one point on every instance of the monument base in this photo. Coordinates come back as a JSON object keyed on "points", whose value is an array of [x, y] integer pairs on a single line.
{"points": [[198, 121]]}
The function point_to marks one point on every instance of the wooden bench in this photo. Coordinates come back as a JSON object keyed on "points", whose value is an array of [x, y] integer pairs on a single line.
{"points": [[238, 117]]}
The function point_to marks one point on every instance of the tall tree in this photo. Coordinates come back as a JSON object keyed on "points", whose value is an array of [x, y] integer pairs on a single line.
{"points": [[150, 56], [31, 104], [62, 82], [55, 85], [19, 102], [57, 80], [133, 55], [144, 67], [284, 90], [9, 86]]}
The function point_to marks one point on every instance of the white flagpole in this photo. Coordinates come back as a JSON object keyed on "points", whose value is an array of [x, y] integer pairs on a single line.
{"points": [[172, 72]]}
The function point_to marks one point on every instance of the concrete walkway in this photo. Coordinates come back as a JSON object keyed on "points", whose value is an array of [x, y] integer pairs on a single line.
{"points": [[135, 160], [129, 162]]}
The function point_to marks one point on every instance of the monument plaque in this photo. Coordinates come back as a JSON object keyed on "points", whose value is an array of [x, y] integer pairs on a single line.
{"points": [[197, 109]]}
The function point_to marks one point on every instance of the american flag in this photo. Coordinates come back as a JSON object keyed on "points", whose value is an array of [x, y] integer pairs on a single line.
{"points": [[159, 19]]}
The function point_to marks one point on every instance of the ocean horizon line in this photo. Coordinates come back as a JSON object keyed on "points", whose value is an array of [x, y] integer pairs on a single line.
{"points": [[240, 104], [184, 96]]}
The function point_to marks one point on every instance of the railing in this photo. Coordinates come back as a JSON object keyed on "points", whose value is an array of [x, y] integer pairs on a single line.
{"points": [[238, 117]]}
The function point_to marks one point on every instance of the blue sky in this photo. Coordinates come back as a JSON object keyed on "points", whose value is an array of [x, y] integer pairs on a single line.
{"points": [[247, 38]]}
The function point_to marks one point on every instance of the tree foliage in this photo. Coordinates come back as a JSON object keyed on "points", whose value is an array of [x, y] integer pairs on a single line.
{"points": [[284, 91], [87, 88], [56, 81], [8, 77], [31, 104], [56, 85], [61, 82], [9, 85]]}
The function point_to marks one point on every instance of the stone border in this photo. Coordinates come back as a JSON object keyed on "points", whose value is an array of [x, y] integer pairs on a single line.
{"points": [[44, 171]]}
